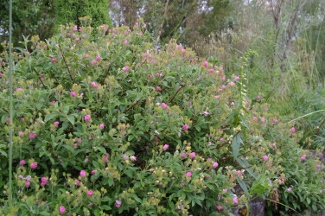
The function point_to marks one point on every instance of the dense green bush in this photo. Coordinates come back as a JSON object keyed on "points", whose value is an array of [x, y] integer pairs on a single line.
{"points": [[114, 126]]}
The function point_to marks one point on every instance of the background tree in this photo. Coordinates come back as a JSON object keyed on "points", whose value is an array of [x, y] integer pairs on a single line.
{"points": [[30, 17], [188, 21], [71, 11]]}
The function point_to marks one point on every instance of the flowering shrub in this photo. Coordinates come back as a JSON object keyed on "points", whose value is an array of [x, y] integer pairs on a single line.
{"points": [[115, 126]]}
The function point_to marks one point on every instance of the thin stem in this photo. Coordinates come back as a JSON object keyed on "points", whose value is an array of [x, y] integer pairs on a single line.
{"points": [[65, 62], [10, 106]]}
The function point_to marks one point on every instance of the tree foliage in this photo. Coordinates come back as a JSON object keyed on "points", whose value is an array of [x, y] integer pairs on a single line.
{"points": [[70, 11], [30, 17]]}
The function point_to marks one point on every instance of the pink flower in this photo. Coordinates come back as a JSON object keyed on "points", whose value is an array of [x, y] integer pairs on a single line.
{"points": [[78, 39], [86, 56], [33, 165], [185, 127], [75, 145], [90, 193], [133, 158], [79, 140], [118, 203], [265, 158], [184, 155], [93, 172], [192, 155], [83, 173], [53, 102], [274, 120], [43, 181], [105, 159], [93, 62], [27, 184], [217, 96], [189, 174], [237, 78], [94, 84], [98, 58], [87, 118], [56, 123], [318, 165], [125, 42], [101, 126], [303, 157], [165, 147], [77, 182], [22, 162], [32, 135], [215, 165], [255, 118], [136, 23], [259, 97], [62, 209], [263, 119], [54, 60], [289, 189], [75, 28], [293, 130], [165, 106], [219, 207], [232, 83], [235, 200], [205, 64], [126, 68], [211, 70], [223, 78], [72, 94], [1, 74]]}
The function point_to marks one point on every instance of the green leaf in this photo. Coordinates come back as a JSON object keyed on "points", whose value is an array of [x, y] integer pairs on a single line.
{"points": [[105, 207], [243, 162], [101, 149], [50, 116], [236, 141], [71, 119]]}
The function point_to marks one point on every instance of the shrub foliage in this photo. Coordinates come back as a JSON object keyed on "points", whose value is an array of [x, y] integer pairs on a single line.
{"points": [[114, 126]]}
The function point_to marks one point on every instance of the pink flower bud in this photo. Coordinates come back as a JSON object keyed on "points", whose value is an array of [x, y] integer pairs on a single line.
{"points": [[56, 123], [215, 164], [192, 155], [293, 130], [185, 127], [54, 60], [87, 118], [22, 162], [98, 58], [72, 94], [118, 203], [303, 157], [126, 68], [205, 64], [27, 184], [219, 207], [189, 174], [184, 155], [83, 173], [33, 165], [235, 200], [90, 193], [165, 106], [165, 147], [93, 172], [102, 126], [265, 158], [62, 210]]}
